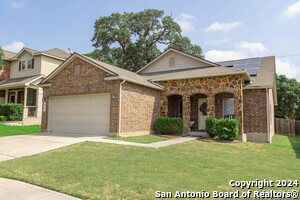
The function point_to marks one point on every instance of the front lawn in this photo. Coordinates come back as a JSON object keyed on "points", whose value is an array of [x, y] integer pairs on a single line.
{"points": [[143, 139], [92, 170], [18, 130]]}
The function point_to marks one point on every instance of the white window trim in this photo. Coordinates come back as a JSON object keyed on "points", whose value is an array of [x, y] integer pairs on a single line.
{"points": [[224, 106], [28, 65], [23, 61]]}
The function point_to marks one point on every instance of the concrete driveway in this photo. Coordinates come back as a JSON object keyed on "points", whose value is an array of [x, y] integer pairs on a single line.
{"points": [[12, 147]]}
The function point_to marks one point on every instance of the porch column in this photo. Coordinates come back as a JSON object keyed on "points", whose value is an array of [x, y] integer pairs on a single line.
{"points": [[16, 96], [210, 105], [186, 114], [25, 112], [6, 96], [163, 106], [239, 112]]}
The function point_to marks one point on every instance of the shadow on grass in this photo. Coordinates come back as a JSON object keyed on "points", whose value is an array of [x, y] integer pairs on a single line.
{"points": [[295, 143]]}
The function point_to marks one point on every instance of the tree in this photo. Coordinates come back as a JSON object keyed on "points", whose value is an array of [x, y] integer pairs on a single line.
{"points": [[288, 94], [130, 40], [1, 59]]}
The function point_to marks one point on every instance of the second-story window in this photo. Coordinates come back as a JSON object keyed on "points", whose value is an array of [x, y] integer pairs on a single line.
{"points": [[29, 64], [23, 65]]}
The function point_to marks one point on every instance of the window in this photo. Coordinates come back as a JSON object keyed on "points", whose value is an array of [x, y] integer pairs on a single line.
{"points": [[23, 65], [77, 70], [172, 61], [180, 108], [29, 64], [31, 98], [228, 108]]}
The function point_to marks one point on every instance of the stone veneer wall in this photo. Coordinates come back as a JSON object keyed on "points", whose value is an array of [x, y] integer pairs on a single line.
{"points": [[140, 108], [90, 81], [208, 86]]}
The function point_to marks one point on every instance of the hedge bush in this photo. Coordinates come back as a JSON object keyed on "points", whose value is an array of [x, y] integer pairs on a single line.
{"points": [[169, 125], [222, 128], [210, 125], [3, 118], [13, 111]]}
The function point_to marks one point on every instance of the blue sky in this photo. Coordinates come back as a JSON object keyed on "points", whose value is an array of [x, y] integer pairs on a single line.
{"points": [[225, 29]]}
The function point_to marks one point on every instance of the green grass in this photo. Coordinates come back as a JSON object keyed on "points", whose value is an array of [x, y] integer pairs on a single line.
{"points": [[18, 130], [91, 170], [143, 139]]}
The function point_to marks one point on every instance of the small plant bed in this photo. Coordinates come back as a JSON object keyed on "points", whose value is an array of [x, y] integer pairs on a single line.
{"points": [[146, 139], [18, 130]]}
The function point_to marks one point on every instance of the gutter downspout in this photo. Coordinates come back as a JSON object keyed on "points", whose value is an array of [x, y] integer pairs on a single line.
{"points": [[120, 108], [268, 117]]}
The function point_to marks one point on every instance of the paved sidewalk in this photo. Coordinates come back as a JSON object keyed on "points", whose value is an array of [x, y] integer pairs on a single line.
{"points": [[17, 190]]}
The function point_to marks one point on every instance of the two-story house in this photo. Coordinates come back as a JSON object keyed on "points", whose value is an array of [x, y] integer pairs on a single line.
{"points": [[21, 75]]}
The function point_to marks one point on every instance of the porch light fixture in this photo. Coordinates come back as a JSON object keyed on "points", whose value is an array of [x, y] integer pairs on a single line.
{"points": [[44, 99], [113, 96]]}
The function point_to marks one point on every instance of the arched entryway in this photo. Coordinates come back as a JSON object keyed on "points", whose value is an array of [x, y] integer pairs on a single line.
{"points": [[175, 106]]}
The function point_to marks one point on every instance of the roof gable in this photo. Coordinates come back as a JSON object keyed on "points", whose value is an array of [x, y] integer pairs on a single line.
{"points": [[181, 61], [114, 73], [53, 53]]}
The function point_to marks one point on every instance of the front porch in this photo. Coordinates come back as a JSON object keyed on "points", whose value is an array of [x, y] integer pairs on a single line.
{"points": [[28, 94], [194, 100]]}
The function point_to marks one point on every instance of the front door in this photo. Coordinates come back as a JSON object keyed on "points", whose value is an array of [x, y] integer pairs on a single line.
{"points": [[202, 113], [12, 98]]}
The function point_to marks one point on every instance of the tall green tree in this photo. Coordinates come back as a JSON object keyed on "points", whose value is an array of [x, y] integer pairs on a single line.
{"points": [[130, 40], [1, 59], [288, 94]]}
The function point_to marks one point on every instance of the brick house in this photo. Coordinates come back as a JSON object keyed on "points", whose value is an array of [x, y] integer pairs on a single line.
{"points": [[22, 73], [84, 95]]}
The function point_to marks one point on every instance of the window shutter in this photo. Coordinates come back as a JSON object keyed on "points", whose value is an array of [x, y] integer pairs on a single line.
{"points": [[19, 65], [32, 63]]}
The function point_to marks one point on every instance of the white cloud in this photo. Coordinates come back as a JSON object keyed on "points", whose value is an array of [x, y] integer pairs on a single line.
{"points": [[186, 22], [17, 4], [253, 47], [217, 42], [15, 46], [286, 68], [292, 10], [217, 26], [219, 55]]}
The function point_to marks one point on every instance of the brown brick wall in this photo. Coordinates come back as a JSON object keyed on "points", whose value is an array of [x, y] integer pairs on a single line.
{"points": [[90, 81], [4, 73], [140, 108], [255, 111]]}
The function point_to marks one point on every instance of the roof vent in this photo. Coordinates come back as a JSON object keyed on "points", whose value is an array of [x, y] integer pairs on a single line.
{"points": [[172, 61]]}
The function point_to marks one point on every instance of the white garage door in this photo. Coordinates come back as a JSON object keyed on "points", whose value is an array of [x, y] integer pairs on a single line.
{"points": [[80, 114]]}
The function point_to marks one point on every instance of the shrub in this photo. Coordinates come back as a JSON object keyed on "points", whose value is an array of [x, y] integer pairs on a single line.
{"points": [[13, 111], [222, 128], [169, 125], [210, 125], [3, 118]]}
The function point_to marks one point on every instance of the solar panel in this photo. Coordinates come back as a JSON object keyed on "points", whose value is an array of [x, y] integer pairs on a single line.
{"points": [[250, 65]]}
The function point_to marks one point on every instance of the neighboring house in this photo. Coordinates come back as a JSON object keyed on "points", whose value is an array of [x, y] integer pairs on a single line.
{"points": [[20, 76], [84, 95]]}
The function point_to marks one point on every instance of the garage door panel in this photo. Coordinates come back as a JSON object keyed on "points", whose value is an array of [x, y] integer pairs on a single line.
{"points": [[80, 114]]}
